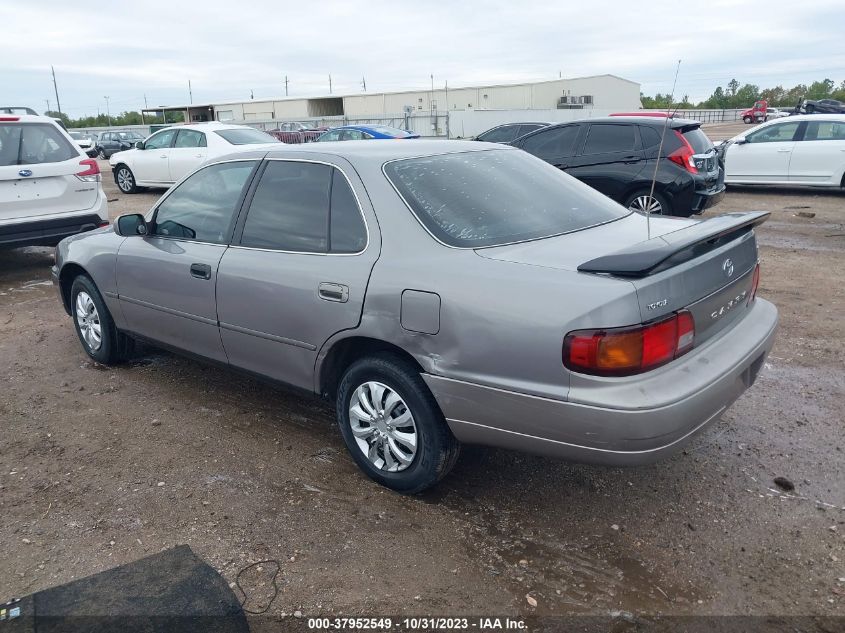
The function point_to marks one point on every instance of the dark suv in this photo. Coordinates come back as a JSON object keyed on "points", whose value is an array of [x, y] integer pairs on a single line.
{"points": [[617, 156]]}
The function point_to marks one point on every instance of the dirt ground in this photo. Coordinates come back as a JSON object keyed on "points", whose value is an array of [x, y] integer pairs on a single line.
{"points": [[101, 466]]}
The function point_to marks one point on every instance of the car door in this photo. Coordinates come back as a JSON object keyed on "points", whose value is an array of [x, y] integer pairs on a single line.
{"points": [[166, 279], [298, 268], [151, 164], [108, 144], [555, 145], [189, 151], [611, 158], [819, 154], [765, 154]]}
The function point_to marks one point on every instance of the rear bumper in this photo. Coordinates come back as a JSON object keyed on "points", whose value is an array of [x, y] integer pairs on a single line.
{"points": [[50, 231], [627, 421], [708, 198]]}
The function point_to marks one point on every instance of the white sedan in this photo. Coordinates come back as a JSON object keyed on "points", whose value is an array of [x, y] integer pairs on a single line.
{"points": [[799, 150], [164, 157]]}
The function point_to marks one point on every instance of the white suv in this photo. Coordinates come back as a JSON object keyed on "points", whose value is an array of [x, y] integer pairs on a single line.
{"points": [[49, 188]]}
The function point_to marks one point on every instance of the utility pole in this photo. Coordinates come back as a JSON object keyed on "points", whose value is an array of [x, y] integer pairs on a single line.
{"points": [[364, 83], [330, 83], [47, 101], [190, 93], [251, 94], [56, 88], [286, 85], [447, 109], [108, 112], [143, 120]]}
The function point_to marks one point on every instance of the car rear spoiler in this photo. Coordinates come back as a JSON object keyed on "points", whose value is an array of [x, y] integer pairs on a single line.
{"points": [[671, 249]]}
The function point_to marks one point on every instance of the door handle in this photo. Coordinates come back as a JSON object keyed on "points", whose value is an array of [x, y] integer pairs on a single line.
{"points": [[201, 271], [561, 165], [784, 151], [163, 156], [631, 159], [333, 292]]}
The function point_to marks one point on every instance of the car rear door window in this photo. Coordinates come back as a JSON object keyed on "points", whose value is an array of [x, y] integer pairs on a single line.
{"points": [[825, 131], [290, 208], [553, 143], [203, 207], [190, 138], [32, 144], [608, 138], [347, 231]]}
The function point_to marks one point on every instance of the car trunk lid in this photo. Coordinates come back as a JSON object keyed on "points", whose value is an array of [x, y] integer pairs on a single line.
{"points": [[704, 266]]}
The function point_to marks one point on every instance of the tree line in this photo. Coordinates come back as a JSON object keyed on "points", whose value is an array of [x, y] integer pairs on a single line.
{"points": [[735, 95], [116, 120]]}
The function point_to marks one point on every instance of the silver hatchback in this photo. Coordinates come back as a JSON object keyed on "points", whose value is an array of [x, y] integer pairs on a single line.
{"points": [[438, 292]]}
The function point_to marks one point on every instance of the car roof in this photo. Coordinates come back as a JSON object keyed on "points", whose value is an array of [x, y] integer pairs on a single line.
{"points": [[674, 122], [377, 152]]}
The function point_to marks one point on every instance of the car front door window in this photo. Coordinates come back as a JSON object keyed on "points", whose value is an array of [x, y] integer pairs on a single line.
{"points": [[203, 207], [160, 140], [552, 144], [779, 133]]}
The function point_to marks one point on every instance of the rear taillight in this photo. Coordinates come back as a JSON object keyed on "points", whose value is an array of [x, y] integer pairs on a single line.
{"points": [[630, 350], [755, 282], [684, 156], [91, 173]]}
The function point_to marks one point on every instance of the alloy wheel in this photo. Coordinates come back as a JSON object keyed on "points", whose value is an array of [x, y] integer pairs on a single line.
{"points": [[125, 181], [88, 320], [383, 426], [646, 204]]}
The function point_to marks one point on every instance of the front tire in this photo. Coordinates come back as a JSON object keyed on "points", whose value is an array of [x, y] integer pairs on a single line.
{"points": [[94, 324], [747, 120], [392, 426], [125, 179]]}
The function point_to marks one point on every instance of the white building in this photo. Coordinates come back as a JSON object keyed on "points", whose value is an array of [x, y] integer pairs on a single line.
{"points": [[557, 99]]}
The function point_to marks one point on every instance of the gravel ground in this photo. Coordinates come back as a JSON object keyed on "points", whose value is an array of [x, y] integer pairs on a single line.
{"points": [[102, 466]]}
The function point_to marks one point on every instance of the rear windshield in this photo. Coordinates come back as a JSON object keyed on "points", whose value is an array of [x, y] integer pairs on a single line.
{"points": [[494, 197], [699, 141], [246, 136], [32, 144]]}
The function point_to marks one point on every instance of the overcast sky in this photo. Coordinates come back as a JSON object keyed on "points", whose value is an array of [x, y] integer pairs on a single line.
{"points": [[125, 50]]}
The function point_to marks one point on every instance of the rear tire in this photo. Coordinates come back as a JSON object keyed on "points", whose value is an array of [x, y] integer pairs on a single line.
{"points": [[125, 179], [94, 325], [747, 119], [656, 204], [392, 425], [101, 154]]}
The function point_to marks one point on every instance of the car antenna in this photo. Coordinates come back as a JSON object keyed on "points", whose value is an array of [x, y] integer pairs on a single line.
{"points": [[660, 150]]}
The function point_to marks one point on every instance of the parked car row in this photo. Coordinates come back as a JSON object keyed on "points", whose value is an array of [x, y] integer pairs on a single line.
{"points": [[441, 292]]}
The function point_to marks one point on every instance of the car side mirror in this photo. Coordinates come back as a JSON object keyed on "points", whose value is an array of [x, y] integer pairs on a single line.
{"points": [[132, 224], [139, 145], [740, 140], [91, 153]]}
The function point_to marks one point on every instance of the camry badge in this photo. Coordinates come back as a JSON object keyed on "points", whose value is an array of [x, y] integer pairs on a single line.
{"points": [[25, 172], [728, 267]]}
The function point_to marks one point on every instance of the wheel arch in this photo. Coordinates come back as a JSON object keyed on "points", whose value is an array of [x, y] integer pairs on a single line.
{"points": [[342, 353], [68, 273]]}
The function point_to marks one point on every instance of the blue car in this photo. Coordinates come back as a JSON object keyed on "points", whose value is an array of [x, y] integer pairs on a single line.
{"points": [[364, 132]]}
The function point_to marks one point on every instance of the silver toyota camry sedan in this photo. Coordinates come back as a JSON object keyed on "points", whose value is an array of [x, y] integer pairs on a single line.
{"points": [[439, 292]]}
